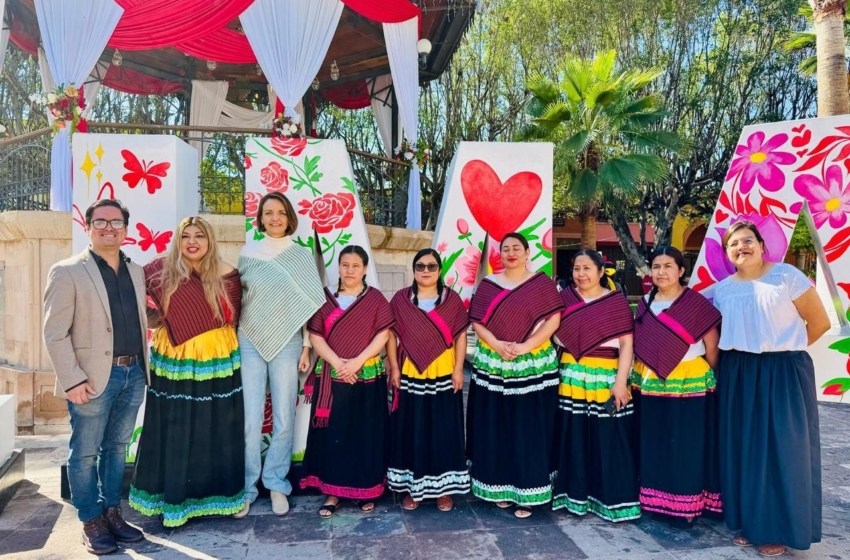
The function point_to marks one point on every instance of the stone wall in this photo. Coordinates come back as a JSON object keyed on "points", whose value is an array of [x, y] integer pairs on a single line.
{"points": [[30, 242]]}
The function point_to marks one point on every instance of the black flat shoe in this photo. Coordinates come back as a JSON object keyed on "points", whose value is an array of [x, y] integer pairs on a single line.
{"points": [[328, 507]]}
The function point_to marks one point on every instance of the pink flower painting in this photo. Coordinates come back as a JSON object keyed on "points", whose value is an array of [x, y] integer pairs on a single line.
{"points": [[829, 199], [759, 160], [467, 264], [775, 244]]}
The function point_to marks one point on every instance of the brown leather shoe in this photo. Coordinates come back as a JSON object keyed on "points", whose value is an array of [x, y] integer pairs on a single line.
{"points": [[97, 538], [119, 528]]}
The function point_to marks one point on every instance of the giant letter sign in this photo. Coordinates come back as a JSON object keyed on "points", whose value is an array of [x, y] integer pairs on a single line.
{"points": [[779, 170]]}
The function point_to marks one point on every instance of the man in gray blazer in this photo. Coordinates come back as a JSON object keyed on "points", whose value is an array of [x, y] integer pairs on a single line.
{"points": [[95, 330]]}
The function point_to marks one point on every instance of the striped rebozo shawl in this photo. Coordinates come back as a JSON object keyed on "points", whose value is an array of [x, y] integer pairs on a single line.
{"points": [[424, 336], [280, 295], [189, 313], [348, 332], [661, 341], [585, 326], [512, 314]]}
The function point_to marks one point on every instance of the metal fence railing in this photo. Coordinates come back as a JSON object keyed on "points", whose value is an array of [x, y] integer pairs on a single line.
{"points": [[25, 171]]}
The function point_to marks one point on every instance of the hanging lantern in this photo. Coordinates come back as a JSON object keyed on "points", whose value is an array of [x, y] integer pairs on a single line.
{"points": [[117, 59], [334, 71], [315, 84], [212, 64]]}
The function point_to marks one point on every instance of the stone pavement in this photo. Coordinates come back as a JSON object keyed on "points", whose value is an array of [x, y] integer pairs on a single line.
{"points": [[37, 524]]}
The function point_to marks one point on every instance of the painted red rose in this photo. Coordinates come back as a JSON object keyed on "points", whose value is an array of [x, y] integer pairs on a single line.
{"points": [[291, 147], [330, 211], [274, 177], [252, 204], [248, 162]]}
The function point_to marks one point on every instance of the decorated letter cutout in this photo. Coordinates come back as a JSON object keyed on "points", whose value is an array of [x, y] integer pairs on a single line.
{"points": [[494, 189], [778, 169]]}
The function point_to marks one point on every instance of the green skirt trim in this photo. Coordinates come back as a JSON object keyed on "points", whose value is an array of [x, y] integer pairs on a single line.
{"points": [[588, 378], [615, 514], [689, 386], [532, 364], [509, 493], [175, 515], [372, 369], [194, 370]]}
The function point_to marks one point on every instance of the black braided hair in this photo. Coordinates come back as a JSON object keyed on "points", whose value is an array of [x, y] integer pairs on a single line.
{"points": [[440, 287], [364, 256], [669, 251]]}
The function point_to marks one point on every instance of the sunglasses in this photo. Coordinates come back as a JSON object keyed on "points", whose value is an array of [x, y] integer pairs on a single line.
{"points": [[430, 267]]}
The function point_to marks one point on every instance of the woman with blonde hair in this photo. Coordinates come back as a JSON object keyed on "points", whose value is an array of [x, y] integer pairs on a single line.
{"points": [[191, 455]]}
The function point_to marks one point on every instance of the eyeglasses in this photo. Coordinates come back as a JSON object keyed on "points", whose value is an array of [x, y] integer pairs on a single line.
{"points": [[746, 242], [430, 267], [101, 224]]}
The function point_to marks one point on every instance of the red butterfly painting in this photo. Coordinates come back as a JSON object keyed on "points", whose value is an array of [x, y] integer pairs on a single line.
{"points": [[148, 239], [143, 171]]}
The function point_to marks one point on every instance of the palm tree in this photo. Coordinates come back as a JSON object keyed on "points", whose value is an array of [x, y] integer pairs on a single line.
{"points": [[831, 24], [605, 132]]}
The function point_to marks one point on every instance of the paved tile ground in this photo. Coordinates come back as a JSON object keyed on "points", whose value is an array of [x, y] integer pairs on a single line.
{"points": [[37, 524]]}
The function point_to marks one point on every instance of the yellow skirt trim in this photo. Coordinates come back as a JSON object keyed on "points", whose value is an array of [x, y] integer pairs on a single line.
{"points": [[689, 378], [590, 379], [443, 366]]}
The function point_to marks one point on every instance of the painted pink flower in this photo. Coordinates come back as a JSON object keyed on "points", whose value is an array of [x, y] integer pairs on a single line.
{"points": [[441, 248], [462, 226], [467, 264], [775, 244], [827, 201], [759, 160], [547, 240]]}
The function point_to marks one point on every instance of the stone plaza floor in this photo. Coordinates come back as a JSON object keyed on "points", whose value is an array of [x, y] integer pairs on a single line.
{"points": [[38, 524]]}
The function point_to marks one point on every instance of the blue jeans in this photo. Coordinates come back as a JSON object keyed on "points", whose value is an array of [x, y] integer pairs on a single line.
{"points": [[100, 432], [282, 374]]}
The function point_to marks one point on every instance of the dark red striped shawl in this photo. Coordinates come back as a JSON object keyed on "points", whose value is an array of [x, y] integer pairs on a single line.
{"points": [[189, 314], [511, 315], [424, 336], [586, 326], [348, 333], [661, 341]]}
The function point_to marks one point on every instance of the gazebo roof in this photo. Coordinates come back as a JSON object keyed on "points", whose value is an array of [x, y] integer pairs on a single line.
{"points": [[357, 47]]}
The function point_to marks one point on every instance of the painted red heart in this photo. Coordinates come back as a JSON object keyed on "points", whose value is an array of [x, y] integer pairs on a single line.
{"points": [[800, 141], [802, 152], [498, 207], [705, 279], [847, 165], [720, 216], [798, 128]]}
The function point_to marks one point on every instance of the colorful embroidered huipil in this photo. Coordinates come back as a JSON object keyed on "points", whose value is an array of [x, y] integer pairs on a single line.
{"points": [[511, 409], [597, 461], [191, 458], [674, 391], [346, 444], [427, 457]]}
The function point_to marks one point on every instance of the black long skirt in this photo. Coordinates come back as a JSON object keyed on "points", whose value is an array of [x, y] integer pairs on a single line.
{"points": [[191, 459], [347, 459], [511, 425], [427, 457], [770, 447]]}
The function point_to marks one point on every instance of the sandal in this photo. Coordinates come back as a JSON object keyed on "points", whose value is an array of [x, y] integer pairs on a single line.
{"points": [[503, 505], [365, 507], [330, 508], [522, 512], [769, 550], [739, 540], [409, 503], [445, 503]]}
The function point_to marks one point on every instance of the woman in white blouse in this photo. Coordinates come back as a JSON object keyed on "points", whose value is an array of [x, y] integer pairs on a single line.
{"points": [[769, 438]]}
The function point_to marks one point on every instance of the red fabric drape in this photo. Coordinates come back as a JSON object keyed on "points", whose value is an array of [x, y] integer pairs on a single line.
{"points": [[153, 24], [349, 96], [385, 11], [131, 81], [225, 46], [19, 37]]}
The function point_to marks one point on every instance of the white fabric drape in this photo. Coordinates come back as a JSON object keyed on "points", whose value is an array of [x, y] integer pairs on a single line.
{"points": [[205, 106], [92, 87], [47, 82], [380, 90], [74, 35], [235, 116], [401, 39], [291, 40], [4, 34]]}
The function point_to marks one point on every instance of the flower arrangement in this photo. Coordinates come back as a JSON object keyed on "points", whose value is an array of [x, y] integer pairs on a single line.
{"points": [[421, 153], [65, 104], [287, 127]]}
